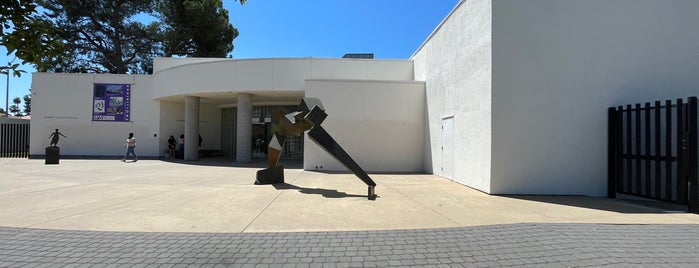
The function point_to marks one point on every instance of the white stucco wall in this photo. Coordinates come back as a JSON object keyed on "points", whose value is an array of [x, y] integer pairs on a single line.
{"points": [[558, 66], [455, 62], [265, 75], [379, 123], [64, 101], [172, 123]]}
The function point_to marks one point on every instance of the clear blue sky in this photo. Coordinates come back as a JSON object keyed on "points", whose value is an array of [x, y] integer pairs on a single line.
{"points": [[391, 29]]}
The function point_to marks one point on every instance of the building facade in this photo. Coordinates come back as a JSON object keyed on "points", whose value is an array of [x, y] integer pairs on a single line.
{"points": [[505, 96]]}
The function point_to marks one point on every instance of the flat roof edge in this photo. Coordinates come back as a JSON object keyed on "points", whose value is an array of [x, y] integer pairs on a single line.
{"points": [[439, 27], [363, 81]]}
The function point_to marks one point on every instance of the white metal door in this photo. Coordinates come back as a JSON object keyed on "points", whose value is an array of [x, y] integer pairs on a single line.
{"points": [[448, 147]]}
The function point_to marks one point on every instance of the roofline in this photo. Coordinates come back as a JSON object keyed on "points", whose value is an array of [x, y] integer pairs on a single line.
{"points": [[439, 27]]}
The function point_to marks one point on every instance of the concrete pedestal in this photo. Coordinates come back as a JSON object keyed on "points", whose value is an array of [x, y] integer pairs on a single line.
{"points": [[271, 175], [53, 154]]}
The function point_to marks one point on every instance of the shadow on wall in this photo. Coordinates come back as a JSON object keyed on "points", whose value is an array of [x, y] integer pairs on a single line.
{"points": [[619, 205]]}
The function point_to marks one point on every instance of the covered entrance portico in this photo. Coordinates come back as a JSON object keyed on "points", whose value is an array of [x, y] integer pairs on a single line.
{"points": [[240, 122]]}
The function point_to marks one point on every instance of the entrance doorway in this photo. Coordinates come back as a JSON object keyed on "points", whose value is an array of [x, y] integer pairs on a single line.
{"points": [[260, 135]]}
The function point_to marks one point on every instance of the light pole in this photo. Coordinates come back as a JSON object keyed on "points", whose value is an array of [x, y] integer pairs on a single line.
{"points": [[7, 90]]}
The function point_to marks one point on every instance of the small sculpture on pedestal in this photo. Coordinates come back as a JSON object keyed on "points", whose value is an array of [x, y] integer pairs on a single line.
{"points": [[53, 152], [55, 137]]}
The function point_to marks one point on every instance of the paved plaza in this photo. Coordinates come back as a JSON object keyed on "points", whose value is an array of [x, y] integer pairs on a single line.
{"points": [[156, 213], [509, 245]]}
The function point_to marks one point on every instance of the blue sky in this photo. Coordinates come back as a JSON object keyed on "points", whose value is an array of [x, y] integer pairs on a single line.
{"points": [[391, 29]]}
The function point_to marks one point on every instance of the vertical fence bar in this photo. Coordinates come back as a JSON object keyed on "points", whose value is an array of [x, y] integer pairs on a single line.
{"points": [[15, 143], [3, 137], [681, 157], [658, 152], [13, 140], [29, 141], [629, 149], [8, 140], [619, 125], [693, 189], [20, 146], [646, 129], [668, 150], [25, 140], [611, 153], [21, 141], [638, 177]]}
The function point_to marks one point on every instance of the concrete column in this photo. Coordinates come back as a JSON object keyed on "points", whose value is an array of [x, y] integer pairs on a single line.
{"points": [[191, 128], [243, 139]]}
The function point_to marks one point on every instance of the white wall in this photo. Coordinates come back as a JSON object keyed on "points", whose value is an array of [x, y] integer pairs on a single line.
{"points": [[455, 62], [162, 63], [64, 101], [558, 66], [379, 123], [172, 123], [270, 74]]}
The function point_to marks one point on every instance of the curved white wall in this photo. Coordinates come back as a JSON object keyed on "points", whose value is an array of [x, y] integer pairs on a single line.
{"points": [[252, 75]]}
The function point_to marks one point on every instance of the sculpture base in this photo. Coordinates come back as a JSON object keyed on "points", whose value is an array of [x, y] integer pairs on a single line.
{"points": [[270, 175], [53, 154], [372, 193]]}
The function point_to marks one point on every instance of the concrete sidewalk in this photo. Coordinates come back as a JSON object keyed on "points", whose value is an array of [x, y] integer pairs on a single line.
{"points": [[162, 196]]}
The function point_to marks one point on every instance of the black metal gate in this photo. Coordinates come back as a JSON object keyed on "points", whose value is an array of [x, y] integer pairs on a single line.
{"points": [[14, 140], [653, 151]]}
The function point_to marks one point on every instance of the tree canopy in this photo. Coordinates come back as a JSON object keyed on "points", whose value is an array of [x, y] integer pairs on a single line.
{"points": [[101, 36], [14, 108], [26, 33], [112, 36], [196, 28], [27, 104]]}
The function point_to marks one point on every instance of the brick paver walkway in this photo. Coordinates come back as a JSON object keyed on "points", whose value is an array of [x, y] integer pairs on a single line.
{"points": [[526, 244]]}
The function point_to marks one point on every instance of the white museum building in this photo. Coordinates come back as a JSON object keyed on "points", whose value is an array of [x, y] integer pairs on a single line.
{"points": [[505, 96]]}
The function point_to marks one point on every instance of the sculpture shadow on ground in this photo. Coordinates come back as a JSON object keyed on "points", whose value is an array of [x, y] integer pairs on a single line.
{"points": [[317, 191]]}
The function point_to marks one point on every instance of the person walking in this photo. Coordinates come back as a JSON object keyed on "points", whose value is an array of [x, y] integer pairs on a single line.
{"points": [[130, 146]]}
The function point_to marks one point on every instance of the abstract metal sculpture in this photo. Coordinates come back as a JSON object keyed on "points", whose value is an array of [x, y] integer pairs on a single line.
{"points": [[310, 116]]}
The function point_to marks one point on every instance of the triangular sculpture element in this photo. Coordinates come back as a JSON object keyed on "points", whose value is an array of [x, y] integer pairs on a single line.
{"points": [[309, 117]]}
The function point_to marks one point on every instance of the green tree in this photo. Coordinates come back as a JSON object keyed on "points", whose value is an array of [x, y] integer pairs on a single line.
{"points": [[102, 36], [196, 28], [14, 108], [27, 34], [27, 104]]}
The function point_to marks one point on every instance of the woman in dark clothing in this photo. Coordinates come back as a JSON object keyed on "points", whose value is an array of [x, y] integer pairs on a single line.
{"points": [[171, 143]]}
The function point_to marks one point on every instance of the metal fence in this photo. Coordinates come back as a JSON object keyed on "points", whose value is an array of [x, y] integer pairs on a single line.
{"points": [[653, 151], [14, 140]]}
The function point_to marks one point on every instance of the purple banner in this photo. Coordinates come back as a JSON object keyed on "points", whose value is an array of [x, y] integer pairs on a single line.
{"points": [[111, 102]]}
